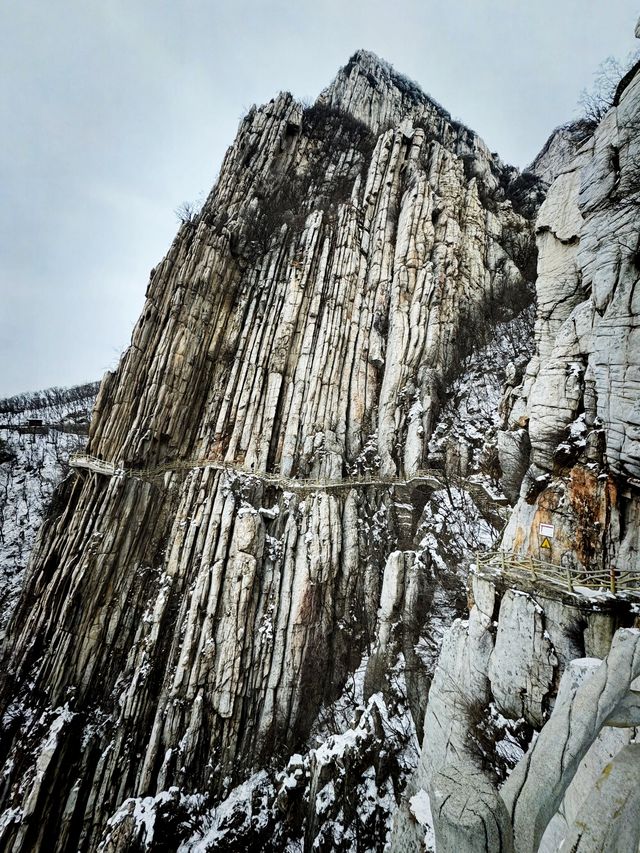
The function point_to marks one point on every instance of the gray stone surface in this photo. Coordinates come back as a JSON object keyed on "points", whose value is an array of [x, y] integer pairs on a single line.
{"points": [[523, 663], [537, 785], [469, 814], [514, 449], [302, 326], [580, 394], [609, 820], [559, 150]]}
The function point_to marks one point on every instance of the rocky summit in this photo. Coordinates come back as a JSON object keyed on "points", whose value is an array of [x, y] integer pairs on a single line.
{"points": [[350, 560]]}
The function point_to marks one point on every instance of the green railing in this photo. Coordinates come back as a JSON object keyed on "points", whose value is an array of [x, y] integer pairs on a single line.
{"points": [[570, 577]]}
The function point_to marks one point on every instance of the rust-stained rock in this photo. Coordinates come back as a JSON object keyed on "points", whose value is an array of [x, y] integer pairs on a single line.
{"points": [[581, 390]]}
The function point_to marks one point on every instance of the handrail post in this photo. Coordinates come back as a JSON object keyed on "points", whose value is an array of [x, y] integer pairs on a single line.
{"points": [[612, 580], [502, 557], [569, 581]]}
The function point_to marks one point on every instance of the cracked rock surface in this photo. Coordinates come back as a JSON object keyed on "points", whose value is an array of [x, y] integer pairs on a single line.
{"points": [[519, 659], [579, 396], [181, 628], [227, 640]]}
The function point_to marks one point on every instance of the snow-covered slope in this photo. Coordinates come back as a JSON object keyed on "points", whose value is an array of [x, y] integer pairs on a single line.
{"points": [[32, 463]]}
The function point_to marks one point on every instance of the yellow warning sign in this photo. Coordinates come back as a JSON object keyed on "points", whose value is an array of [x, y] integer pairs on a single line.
{"points": [[545, 543]]}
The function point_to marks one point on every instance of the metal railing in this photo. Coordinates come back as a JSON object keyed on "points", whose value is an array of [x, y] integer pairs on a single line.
{"points": [[570, 577]]}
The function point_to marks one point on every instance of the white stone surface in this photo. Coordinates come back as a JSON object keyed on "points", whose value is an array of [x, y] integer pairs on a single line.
{"points": [[523, 663]]}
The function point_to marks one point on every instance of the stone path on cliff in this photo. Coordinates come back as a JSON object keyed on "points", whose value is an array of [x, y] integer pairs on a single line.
{"points": [[430, 477]]}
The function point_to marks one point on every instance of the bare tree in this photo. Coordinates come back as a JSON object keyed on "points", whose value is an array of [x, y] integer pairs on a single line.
{"points": [[595, 102], [187, 211]]}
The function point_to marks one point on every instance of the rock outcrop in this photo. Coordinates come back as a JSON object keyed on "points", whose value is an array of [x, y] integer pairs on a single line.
{"points": [[538, 653], [262, 513], [470, 813], [511, 669], [560, 149], [228, 634], [579, 397]]}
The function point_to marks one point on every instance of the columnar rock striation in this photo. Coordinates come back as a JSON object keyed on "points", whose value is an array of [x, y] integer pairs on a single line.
{"points": [[578, 401], [178, 633]]}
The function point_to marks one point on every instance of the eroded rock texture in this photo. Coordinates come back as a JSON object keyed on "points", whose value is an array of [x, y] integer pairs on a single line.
{"points": [[511, 669], [535, 655], [578, 401], [183, 624], [559, 149]]}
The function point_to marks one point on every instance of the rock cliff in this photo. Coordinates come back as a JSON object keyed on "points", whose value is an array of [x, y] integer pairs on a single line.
{"points": [[563, 595], [238, 628], [578, 402], [256, 526]]}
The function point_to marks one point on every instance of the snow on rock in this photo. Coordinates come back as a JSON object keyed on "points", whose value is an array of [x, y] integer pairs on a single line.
{"points": [[244, 813], [421, 809], [140, 823], [33, 461], [453, 528], [323, 799], [495, 685], [468, 425], [578, 400], [212, 659], [299, 332]]}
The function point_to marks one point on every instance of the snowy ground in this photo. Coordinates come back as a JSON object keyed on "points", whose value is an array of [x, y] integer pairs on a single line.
{"points": [[469, 420], [31, 466]]}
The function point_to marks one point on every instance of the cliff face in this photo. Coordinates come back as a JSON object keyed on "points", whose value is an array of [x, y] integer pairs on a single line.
{"points": [[578, 402], [198, 599], [560, 149], [241, 312], [526, 659]]}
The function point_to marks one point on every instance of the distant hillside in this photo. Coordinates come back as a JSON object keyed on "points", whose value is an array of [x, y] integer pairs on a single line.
{"points": [[32, 463]]}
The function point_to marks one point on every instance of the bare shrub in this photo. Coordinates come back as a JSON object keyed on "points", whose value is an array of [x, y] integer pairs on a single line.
{"points": [[188, 212], [596, 101]]}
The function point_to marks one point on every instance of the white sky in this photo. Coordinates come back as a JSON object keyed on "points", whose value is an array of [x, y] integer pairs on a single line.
{"points": [[112, 112]]}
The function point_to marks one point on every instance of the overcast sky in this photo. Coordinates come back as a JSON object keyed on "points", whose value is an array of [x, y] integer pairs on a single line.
{"points": [[113, 112]]}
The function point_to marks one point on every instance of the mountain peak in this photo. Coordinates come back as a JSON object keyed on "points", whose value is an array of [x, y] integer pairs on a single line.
{"points": [[370, 88], [366, 62], [366, 58]]}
